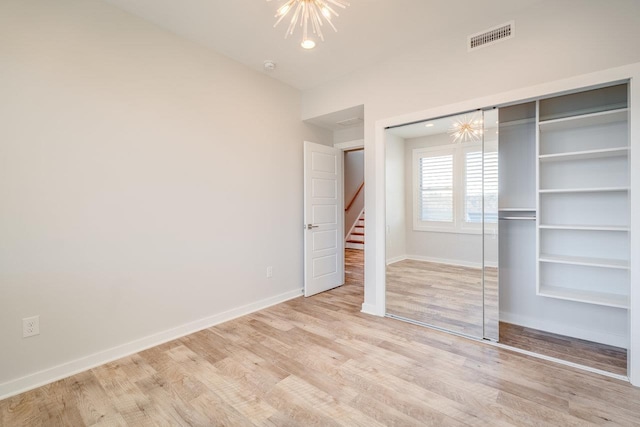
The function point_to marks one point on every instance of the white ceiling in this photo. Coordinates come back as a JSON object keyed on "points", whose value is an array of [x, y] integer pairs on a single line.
{"points": [[369, 31]]}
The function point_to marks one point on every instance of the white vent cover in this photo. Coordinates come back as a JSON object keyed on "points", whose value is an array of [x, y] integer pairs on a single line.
{"points": [[491, 36], [350, 122]]}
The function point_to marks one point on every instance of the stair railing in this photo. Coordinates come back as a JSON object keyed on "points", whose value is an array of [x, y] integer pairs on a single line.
{"points": [[353, 199]]}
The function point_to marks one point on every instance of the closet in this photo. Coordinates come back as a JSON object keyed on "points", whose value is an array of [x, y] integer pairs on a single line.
{"points": [[551, 248], [583, 197]]}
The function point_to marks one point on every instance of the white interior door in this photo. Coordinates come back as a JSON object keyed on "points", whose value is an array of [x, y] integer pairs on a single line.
{"points": [[323, 218]]}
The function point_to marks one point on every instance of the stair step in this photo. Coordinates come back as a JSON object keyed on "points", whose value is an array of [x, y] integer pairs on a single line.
{"points": [[357, 233]]}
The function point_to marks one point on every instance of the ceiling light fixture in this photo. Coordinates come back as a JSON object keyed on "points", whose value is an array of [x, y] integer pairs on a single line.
{"points": [[429, 125], [466, 129], [309, 12], [308, 44]]}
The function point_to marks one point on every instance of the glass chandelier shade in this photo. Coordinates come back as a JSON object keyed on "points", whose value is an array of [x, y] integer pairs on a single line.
{"points": [[309, 13]]}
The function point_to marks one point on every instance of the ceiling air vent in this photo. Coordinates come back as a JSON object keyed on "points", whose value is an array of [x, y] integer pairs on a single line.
{"points": [[350, 122], [491, 36]]}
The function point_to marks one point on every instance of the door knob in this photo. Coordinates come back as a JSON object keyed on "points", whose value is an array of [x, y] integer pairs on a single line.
{"points": [[310, 226]]}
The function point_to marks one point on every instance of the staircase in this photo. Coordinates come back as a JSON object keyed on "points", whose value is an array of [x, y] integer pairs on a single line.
{"points": [[355, 239]]}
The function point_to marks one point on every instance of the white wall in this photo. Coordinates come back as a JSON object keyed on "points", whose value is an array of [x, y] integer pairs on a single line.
{"points": [[554, 40], [146, 184], [349, 134]]}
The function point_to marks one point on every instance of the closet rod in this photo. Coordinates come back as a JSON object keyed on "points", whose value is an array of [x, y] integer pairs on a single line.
{"points": [[509, 218]]}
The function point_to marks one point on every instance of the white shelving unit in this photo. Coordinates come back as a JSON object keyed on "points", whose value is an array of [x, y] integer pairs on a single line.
{"points": [[583, 227], [592, 262], [583, 197], [588, 154], [584, 190]]}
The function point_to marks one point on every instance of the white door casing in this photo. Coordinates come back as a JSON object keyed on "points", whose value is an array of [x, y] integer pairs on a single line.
{"points": [[323, 218]]}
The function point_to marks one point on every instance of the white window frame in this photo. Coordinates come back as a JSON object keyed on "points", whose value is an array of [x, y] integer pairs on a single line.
{"points": [[418, 223], [465, 226], [458, 224]]}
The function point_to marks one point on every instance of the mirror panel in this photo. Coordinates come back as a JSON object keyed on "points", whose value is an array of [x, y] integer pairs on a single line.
{"points": [[434, 239], [490, 225]]}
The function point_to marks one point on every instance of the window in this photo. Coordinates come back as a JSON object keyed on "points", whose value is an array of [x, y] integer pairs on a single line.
{"points": [[473, 187], [448, 186], [436, 188]]}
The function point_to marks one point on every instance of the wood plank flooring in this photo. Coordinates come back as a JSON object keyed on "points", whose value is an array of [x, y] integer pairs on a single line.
{"points": [[442, 295], [450, 297], [599, 356], [319, 361]]}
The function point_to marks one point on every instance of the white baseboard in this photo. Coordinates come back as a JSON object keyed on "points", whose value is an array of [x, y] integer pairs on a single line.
{"points": [[371, 309], [561, 329], [396, 259], [456, 262], [46, 376]]}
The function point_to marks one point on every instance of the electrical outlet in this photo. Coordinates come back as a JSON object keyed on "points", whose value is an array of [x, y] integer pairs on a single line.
{"points": [[30, 326], [269, 272]]}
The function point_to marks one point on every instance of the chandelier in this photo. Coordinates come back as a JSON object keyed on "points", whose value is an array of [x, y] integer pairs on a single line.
{"points": [[309, 13], [466, 129]]}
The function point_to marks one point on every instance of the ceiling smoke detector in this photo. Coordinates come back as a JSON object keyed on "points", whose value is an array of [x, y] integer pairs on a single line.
{"points": [[269, 65]]}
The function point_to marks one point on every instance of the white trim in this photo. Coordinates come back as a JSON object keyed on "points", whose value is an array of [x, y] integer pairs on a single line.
{"points": [[49, 375], [561, 329], [350, 145], [397, 259], [455, 262], [371, 309], [559, 361], [634, 227], [375, 202]]}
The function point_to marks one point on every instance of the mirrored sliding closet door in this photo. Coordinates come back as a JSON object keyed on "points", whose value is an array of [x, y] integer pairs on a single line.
{"points": [[441, 210]]}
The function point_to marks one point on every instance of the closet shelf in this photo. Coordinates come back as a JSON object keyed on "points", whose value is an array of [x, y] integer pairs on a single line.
{"points": [[585, 261], [517, 209], [518, 218], [588, 119], [585, 227], [600, 298], [583, 190], [585, 155]]}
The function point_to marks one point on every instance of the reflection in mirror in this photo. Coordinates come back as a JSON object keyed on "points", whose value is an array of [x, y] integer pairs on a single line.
{"points": [[434, 207], [490, 225]]}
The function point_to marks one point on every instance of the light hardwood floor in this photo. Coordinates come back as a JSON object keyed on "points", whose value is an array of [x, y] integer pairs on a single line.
{"points": [[451, 297], [445, 296], [319, 361], [599, 356]]}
